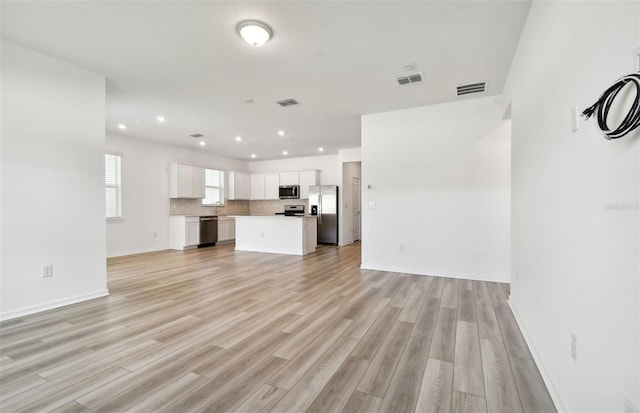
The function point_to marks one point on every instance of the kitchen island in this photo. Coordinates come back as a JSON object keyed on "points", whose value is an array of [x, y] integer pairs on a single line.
{"points": [[294, 235]]}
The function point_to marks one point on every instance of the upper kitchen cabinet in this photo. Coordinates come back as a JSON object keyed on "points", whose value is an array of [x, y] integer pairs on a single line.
{"points": [[238, 185], [186, 181], [271, 186], [307, 179], [257, 186], [289, 178], [265, 186]]}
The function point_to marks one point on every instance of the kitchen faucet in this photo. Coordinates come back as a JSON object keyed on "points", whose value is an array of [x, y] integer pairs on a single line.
{"points": [[216, 206]]}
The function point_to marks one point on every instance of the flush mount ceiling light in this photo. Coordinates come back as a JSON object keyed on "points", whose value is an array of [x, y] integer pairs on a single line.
{"points": [[254, 32], [122, 126]]}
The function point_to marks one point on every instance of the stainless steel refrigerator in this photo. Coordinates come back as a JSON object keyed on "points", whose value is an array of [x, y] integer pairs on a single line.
{"points": [[323, 202]]}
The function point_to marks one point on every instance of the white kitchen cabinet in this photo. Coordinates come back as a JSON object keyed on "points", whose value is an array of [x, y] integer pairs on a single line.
{"points": [[271, 185], [226, 229], [307, 179], [186, 181], [238, 185], [184, 232], [257, 186], [289, 178]]}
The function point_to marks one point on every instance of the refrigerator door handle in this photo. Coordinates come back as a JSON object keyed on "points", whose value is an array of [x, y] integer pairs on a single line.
{"points": [[320, 208]]}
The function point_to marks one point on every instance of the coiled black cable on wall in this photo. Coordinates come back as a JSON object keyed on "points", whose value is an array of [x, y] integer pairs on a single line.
{"points": [[602, 106]]}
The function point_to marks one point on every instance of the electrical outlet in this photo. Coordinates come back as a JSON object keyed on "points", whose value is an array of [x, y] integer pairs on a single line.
{"points": [[629, 407], [47, 270], [401, 248], [574, 347], [372, 204]]}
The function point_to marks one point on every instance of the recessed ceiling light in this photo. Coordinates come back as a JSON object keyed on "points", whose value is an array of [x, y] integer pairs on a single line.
{"points": [[253, 155], [238, 138], [122, 126], [160, 118], [202, 143], [281, 132], [285, 153], [321, 149], [247, 100], [254, 32]]}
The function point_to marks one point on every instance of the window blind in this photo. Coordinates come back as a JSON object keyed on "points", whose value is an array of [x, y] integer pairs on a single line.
{"points": [[113, 185]]}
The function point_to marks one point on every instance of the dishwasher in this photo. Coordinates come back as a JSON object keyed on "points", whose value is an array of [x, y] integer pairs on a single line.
{"points": [[208, 231]]}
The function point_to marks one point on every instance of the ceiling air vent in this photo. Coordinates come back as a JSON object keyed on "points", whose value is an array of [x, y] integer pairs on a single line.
{"points": [[405, 80], [197, 135], [287, 102], [472, 88]]}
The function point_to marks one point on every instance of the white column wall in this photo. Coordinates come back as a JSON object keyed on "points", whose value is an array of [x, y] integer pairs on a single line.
{"points": [[575, 238], [439, 179], [52, 192]]}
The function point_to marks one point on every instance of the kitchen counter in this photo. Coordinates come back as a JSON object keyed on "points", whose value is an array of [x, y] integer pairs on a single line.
{"points": [[294, 235]]}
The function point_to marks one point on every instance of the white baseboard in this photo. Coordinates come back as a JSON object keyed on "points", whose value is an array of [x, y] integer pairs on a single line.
{"points": [[342, 244], [474, 277], [553, 392], [53, 304], [133, 252]]}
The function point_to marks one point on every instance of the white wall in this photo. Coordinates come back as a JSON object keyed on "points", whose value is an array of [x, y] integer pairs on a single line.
{"points": [[575, 204], [440, 177], [330, 171], [350, 155], [52, 182], [145, 191]]}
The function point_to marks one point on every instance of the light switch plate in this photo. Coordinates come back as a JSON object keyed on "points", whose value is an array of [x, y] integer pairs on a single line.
{"points": [[575, 125]]}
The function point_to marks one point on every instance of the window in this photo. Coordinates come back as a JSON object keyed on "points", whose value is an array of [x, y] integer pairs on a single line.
{"points": [[113, 186], [213, 187]]}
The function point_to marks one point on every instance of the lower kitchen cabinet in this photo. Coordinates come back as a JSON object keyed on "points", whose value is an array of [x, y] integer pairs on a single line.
{"points": [[184, 232], [226, 229]]}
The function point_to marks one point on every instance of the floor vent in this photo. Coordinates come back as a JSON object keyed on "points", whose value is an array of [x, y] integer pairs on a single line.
{"points": [[406, 80], [472, 88], [196, 135], [287, 102]]}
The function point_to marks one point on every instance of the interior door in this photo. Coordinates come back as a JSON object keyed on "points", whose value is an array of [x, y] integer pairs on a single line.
{"points": [[355, 186]]}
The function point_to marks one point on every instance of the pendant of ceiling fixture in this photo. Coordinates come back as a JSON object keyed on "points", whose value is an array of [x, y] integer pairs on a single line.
{"points": [[254, 32]]}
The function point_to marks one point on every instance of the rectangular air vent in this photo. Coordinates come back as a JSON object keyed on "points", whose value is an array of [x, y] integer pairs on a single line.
{"points": [[197, 135], [406, 80], [287, 102], [478, 87]]}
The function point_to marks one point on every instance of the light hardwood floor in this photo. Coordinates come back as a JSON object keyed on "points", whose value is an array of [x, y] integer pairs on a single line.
{"points": [[221, 331]]}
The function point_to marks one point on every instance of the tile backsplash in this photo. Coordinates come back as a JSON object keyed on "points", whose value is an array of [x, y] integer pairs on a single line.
{"points": [[179, 206], [273, 206]]}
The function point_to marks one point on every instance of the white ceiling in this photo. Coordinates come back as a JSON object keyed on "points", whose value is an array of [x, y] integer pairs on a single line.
{"points": [[185, 61]]}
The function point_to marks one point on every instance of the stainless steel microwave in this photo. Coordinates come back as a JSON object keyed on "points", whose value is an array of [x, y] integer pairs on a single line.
{"points": [[289, 192]]}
